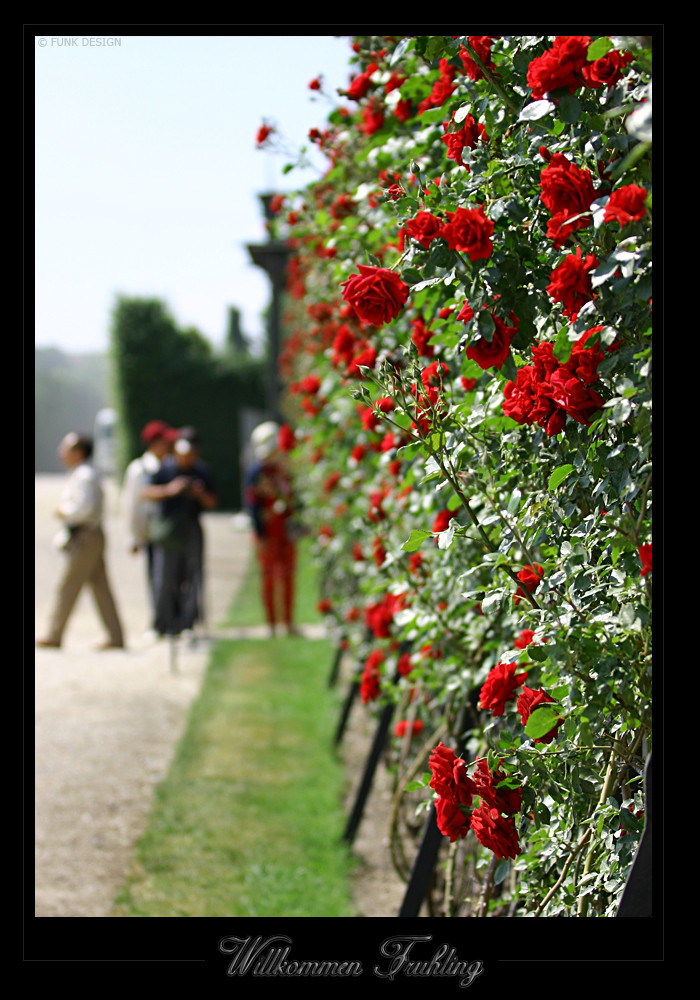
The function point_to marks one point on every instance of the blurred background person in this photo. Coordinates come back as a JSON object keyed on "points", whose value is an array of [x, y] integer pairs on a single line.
{"points": [[82, 542], [139, 512], [270, 502], [183, 487]]}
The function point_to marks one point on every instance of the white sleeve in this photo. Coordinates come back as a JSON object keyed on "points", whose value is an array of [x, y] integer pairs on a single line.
{"points": [[81, 500], [134, 480]]}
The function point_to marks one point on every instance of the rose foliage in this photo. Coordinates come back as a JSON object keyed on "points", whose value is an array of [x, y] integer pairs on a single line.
{"points": [[467, 372]]}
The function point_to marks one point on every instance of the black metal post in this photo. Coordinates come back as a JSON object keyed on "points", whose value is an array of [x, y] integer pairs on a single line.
{"points": [[368, 776]]}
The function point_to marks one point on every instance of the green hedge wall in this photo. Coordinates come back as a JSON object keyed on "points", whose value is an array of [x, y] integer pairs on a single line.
{"points": [[162, 372]]}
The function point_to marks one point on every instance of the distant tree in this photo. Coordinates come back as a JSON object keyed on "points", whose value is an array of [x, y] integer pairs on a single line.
{"points": [[162, 372]]}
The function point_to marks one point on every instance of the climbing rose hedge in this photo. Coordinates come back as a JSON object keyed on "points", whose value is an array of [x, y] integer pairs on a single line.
{"points": [[467, 372]]}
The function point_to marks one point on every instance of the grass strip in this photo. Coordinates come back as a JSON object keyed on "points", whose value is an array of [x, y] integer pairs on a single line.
{"points": [[249, 820]]}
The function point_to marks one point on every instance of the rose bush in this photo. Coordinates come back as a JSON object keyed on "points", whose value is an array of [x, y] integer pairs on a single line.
{"points": [[468, 364]]}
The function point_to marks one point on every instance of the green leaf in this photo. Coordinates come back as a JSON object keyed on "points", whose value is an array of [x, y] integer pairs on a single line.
{"points": [[415, 540], [599, 48], [570, 109], [502, 869], [541, 721], [559, 475]]}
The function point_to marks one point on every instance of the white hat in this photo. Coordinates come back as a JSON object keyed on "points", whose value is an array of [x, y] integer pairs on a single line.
{"points": [[264, 439]]}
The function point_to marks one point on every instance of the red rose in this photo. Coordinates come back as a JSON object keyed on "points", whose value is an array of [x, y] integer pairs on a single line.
{"points": [[452, 820], [424, 228], [606, 71], [530, 576], [464, 138], [372, 118], [401, 727], [421, 338], [369, 681], [359, 86], [499, 687], [570, 282], [377, 294], [492, 353], [404, 665], [559, 67], [442, 520], [626, 204], [492, 790], [285, 439], [481, 44], [645, 556], [495, 832], [528, 701], [567, 191], [449, 776], [264, 132], [469, 231]]}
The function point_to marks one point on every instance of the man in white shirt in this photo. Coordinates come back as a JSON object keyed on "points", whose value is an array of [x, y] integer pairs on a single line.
{"points": [[158, 438], [82, 541]]}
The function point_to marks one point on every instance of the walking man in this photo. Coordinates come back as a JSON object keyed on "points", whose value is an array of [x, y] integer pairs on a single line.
{"points": [[82, 541]]}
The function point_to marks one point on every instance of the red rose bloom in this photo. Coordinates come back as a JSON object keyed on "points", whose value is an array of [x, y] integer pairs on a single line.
{"points": [[442, 520], [570, 282], [424, 228], [449, 776], [500, 686], [452, 820], [496, 832], [626, 204], [360, 85], [492, 790], [606, 71], [531, 577], [401, 727], [492, 353], [469, 231], [482, 46], [528, 701], [560, 67], [369, 682], [567, 191], [264, 133], [645, 556], [285, 439], [377, 294]]}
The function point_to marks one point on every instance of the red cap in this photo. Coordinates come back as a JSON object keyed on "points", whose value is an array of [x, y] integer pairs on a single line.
{"points": [[154, 430]]}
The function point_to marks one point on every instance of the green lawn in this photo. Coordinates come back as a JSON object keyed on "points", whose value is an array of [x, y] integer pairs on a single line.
{"points": [[249, 821]]}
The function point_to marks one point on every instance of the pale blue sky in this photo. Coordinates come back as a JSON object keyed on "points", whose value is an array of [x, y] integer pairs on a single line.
{"points": [[147, 172]]}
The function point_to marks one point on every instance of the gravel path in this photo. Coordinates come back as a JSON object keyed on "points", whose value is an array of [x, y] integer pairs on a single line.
{"points": [[106, 724]]}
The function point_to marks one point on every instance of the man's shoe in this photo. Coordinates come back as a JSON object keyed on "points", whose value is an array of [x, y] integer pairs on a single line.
{"points": [[47, 643], [110, 645]]}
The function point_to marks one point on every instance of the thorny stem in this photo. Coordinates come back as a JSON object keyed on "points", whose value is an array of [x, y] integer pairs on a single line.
{"points": [[608, 783], [500, 90], [575, 851], [487, 888]]}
